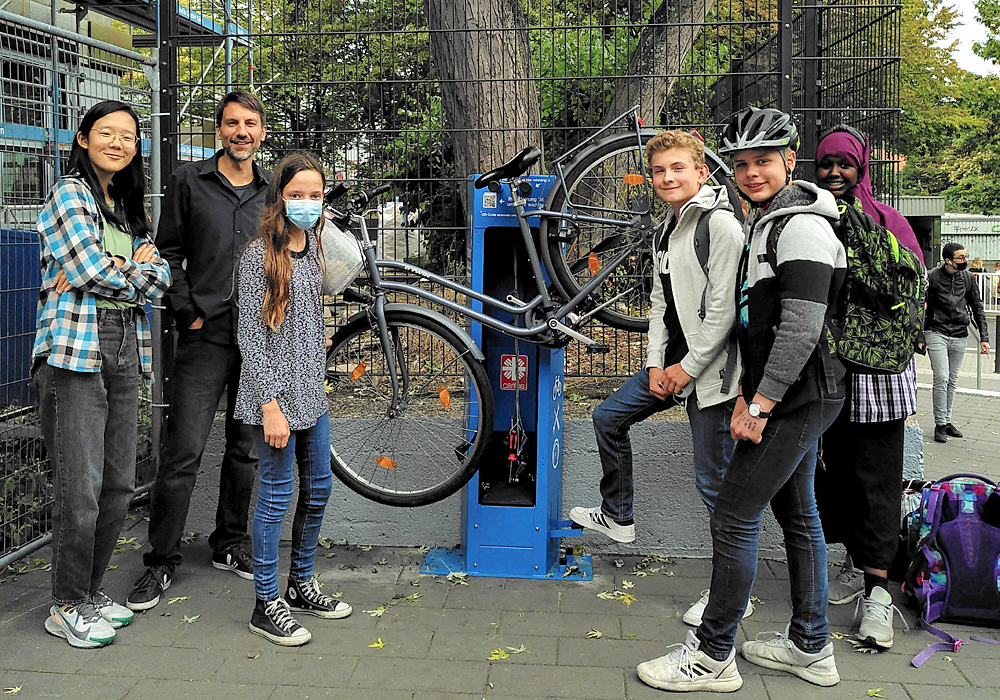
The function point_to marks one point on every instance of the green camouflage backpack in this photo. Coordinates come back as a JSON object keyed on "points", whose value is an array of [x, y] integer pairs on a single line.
{"points": [[881, 305]]}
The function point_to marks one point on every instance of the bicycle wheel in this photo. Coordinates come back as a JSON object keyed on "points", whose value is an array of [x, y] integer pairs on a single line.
{"points": [[432, 444], [603, 177]]}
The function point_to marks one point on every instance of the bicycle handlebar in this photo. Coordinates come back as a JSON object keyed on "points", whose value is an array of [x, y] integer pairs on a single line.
{"points": [[355, 203]]}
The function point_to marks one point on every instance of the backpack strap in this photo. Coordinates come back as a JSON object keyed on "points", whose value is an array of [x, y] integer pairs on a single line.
{"points": [[702, 246]]}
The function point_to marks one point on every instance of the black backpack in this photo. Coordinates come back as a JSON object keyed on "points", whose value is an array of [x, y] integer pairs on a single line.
{"points": [[880, 310]]}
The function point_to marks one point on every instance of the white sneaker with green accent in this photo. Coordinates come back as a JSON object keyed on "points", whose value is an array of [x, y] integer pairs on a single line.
{"points": [[118, 615], [693, 615], [686, 669], [81, 625], [775, 650]]}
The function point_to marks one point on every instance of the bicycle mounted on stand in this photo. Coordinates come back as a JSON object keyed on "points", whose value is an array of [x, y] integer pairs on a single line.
{"points": [[407, 389]]}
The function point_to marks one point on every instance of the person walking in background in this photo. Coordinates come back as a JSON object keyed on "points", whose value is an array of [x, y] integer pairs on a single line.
{"points": [[99, 266], [952, 299], [283, 341], [210, 212], [863, 449]]}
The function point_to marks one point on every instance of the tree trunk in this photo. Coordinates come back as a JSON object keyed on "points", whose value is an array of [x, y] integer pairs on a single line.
{"points": [[653, 67], [483, 62]]}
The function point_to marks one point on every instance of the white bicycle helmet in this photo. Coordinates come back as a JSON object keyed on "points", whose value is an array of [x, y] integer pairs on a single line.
{"points": [[759, 129]]}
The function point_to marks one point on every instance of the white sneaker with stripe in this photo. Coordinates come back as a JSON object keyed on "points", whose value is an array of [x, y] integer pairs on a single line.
{"points": [[595, 519], [686, 669]]}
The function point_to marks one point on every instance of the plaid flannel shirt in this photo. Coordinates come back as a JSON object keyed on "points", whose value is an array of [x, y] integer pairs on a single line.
{"points": [[877, 398], [71, 233]]}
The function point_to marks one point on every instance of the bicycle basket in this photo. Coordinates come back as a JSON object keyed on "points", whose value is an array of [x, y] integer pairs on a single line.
{"points": [[342, 258]]}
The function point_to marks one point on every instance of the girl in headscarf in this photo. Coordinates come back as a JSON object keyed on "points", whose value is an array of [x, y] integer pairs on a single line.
{"points": [[863, 449]]}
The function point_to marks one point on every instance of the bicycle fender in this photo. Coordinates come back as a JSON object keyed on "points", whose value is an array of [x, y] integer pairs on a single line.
{"points": [[432, 315]]}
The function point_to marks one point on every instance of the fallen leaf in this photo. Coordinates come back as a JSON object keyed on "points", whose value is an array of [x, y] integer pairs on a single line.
{"points": [[498, 655], [629, 636], [594, 634], [619, 563], [325, 542], [112, 567], [377, 612], [342, 542], [626, 584], [365, 548], [12, 691], [518, 650], [837, 635], [377, 645], [458, 578], [423, 549], [875, 692], [570, 570], [253, 656], [189, 538], [190, 620], [178, 599], [383, 561]]}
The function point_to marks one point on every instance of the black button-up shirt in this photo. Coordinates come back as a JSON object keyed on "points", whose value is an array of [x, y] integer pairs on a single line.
{"points": [[204, 225]]}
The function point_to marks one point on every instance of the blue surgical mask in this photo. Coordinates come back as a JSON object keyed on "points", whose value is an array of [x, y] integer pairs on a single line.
{"points": [[303, 213]]}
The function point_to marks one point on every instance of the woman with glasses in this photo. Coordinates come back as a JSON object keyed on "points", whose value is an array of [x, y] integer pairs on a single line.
{"points": [[99, 267]]}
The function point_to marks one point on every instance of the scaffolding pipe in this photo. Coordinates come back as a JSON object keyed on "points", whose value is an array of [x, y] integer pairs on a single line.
{"points": [[73, 36]]}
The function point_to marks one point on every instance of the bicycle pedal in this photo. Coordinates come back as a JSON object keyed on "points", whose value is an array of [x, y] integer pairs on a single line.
{"points": [[598, 349]]}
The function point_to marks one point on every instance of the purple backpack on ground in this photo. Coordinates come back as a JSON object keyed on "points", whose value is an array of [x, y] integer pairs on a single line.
{"points": [[954, 572]]}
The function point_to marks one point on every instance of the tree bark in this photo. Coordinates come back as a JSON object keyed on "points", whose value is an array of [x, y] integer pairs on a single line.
{"points": [[483, 62], [657, 60]]}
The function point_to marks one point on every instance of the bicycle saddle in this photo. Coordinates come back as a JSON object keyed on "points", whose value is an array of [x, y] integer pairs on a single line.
{"points": [[512, 168]]}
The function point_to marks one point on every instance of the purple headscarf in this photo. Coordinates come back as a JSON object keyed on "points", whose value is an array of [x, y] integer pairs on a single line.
{"points": [[846, 146]]}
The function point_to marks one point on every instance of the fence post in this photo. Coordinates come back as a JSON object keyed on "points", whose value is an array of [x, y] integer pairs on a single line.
{"points": [[811, 84], [785, 49]]}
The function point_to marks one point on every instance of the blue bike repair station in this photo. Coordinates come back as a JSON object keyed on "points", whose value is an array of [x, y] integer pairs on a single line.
{"points": [[512, 524]]}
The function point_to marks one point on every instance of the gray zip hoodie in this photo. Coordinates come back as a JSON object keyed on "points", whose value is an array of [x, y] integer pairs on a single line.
{"points": [[706, 339]]}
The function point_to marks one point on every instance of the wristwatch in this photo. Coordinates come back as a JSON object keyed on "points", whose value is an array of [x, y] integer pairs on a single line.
{"points": [[755, 411]]}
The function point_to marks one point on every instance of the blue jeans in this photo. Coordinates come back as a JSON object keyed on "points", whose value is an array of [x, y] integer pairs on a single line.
{"points": [[713, 445], [946, 355], [202, 371], [311, 449], [780, 471], [89, 425]]}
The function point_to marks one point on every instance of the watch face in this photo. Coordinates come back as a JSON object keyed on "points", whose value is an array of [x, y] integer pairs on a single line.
{"points": [[754, 410]]}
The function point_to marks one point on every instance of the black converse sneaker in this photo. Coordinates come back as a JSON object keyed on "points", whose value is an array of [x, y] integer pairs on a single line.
{"points": [[236, 559], [305, 597], [272, 620]]}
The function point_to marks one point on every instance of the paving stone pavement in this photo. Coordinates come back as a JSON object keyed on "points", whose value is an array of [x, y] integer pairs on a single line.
{"points": [[438, 635]]}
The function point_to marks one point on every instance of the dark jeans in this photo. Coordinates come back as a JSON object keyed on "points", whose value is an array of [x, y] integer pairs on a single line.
{"points": [[780, 471], [311, 449], [202, 371], [89, 424], [632, 403]]}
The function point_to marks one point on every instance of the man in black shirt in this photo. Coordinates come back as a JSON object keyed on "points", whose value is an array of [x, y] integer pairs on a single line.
{"points": [[211, 210]]}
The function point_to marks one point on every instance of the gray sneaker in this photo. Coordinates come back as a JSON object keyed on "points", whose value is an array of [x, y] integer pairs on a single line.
{"points": [[81, 625], [779, 652], [848, 584], [876, 618]]}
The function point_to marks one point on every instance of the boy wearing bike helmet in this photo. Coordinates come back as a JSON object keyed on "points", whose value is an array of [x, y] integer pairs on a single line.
{"points": [[792, 389], [690, 318]]}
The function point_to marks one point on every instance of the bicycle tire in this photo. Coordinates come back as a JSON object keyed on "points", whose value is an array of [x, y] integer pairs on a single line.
{"points": [[596, 178], [427, 451]]}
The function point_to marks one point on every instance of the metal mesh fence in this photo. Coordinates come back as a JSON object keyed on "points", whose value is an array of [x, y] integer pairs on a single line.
{"points": [[420, 93], [47, 85]]}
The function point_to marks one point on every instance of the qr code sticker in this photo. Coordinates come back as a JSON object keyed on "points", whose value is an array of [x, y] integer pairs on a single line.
{"points": [[489, 200]]}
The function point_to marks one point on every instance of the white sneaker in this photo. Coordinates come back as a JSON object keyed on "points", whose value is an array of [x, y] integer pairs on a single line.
{"points": [[118, 615], [693, 615], [777, 651], [876, 618], [848, 584], [686, 669], [595, 519], [81, 625]]}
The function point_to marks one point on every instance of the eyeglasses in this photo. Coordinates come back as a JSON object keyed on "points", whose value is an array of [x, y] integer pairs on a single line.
{"points": [[960, 258], [108, 136]]}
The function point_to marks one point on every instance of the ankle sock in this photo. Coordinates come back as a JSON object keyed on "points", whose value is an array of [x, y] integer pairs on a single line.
{"points": [[872, 580]]}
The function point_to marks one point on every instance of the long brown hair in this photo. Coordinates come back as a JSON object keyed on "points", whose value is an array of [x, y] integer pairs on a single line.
{"points": [[274, 230]]}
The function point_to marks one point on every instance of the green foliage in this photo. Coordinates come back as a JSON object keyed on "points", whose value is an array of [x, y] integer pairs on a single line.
{"points": [[988, 14], [25, 493]]}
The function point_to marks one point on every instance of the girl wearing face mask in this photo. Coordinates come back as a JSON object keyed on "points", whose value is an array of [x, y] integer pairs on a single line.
{"points": [[282, 340]]}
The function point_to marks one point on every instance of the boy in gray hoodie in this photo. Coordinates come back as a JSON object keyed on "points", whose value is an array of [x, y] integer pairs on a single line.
{"points": [[691, 316], [792, 389]]}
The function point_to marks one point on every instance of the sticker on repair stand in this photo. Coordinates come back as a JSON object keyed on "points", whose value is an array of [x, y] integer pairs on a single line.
{"points": [[508, 372]]}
